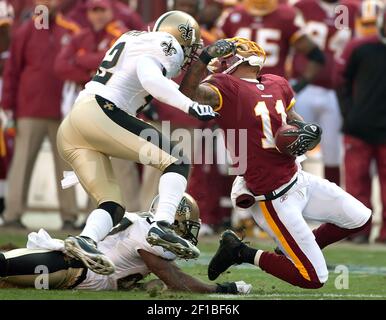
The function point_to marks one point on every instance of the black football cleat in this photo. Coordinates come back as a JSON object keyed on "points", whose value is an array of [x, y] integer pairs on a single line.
{"points": [[161, 234], [85, 250], [227, 254]]}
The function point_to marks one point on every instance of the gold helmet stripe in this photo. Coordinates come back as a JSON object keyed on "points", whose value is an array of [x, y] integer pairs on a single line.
{"points": [[161, 19]]}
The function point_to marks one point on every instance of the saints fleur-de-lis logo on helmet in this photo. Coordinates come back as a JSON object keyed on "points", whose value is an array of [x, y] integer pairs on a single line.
{"points": [[168, 48], [186, 31]]}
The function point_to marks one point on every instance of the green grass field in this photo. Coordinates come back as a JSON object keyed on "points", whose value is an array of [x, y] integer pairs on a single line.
{"points": [[366, 265]]}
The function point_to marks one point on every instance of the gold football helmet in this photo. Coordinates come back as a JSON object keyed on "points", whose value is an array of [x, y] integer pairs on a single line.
{"points": [[246, 51], [260, 7], [184, 28], [187, 221]]}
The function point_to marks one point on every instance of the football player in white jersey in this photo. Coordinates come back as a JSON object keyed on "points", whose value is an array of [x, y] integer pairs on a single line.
{"points": [[125, 245], [103, 123]]}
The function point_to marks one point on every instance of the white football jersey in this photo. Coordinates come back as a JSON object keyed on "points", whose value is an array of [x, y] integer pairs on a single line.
{"points": [[117, 78], [122, 248]]}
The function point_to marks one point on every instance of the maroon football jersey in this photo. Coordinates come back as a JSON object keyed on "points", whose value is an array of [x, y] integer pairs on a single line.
{"points": [[260, 107], [331, 29], [274, 32]]}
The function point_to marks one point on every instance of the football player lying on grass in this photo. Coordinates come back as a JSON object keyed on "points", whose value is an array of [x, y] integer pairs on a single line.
{"points": [[125, 245]]}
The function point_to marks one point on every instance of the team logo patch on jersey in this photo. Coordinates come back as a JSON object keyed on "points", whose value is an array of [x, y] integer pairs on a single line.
{"points": [[168, 48], [186, 31], [108, 106]]}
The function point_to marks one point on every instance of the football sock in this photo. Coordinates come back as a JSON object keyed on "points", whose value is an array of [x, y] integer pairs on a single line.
{"points": [[281, 267], [171, 189], [329, 233], [332, 174], [98, 225]]}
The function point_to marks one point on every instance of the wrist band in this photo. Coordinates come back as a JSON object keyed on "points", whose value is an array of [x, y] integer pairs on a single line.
{"points": [[205, 57]]}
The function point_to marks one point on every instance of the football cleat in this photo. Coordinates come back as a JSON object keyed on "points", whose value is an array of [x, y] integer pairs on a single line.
{"points": [[226, 255], [161, 234], [85, 250]]}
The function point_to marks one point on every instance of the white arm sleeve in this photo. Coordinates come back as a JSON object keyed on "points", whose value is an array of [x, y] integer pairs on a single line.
{"points": [[149, 72]]}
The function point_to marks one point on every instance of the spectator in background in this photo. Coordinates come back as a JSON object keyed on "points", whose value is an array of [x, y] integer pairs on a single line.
{"points": [[78, 62], [361, 76], [77, 12], [23, 11], [318, 102], [6, 19], [214, 11], [32, 95]]}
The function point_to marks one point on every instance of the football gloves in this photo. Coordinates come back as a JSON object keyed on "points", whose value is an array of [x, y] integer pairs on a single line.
{"points": [[202, 112], [238, 287], [309, 135], [218, 49]]}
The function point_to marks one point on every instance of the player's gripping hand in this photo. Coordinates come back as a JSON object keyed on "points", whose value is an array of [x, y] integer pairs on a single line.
{"points": [[202, 112], [220, 48], [238, 287], [309, 136]]}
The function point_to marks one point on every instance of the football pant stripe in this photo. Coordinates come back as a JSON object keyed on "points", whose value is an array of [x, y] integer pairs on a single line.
{"points": [[300, 260]]}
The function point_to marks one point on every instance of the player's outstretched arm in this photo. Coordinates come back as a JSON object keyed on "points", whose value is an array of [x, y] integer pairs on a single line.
{"points": [[190, 85], [176, 279], [150, 74]]}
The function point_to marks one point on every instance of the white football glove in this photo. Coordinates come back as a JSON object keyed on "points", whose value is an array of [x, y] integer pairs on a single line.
{"points": [[202, 112], [243, 288]]}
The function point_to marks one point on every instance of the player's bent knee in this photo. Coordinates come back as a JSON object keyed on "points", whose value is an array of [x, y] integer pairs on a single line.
{"points": [[359, 214], [182, 168], [114, 209]]}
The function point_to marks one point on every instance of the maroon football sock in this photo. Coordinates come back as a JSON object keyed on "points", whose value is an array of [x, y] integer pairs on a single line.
{"points": [[332, 174], [329, 233], [281, 267]]}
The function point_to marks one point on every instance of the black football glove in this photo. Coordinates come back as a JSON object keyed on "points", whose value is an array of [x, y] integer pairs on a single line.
{"points": [[218, 49], [238, 287], [202, 112], [309, 135]]}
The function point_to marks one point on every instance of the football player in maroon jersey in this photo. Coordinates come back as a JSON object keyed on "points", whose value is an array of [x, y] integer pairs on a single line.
{"points": [[330, 24], [276, 27], [274, 188], [6, 136]]}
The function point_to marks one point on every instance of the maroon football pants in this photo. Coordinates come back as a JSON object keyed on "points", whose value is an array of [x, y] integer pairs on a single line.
{"points": [[357, 160]]}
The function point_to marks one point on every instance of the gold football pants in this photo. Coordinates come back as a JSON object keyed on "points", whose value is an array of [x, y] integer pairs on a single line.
{"points": [[41, 269], [90, 134]]}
